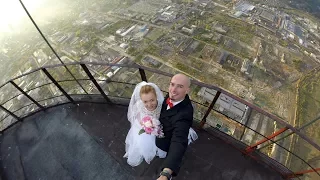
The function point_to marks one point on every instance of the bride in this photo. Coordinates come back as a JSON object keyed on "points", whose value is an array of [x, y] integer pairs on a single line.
{"points": [[146, 100]]}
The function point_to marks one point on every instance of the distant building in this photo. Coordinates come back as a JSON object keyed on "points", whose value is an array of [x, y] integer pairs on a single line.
{"points": [[187, 30], [219, 28], [61, 39], [114, 68], [70, 37], [167, 8], [238, 14], [124, 60], [110, 39], [119, 31], [217, 38], [103, 26], [143, 28], [223, 57], [89, 59], [294, 30], [185, 43], [268, 16], [128, 30], [291, 36], [255, 61], [168, 16], [243, 7], [109, 74], [66, 59], [207, 94], [246, 66], [277, 85], [151, 61], [74, 40], [301, 41], [138, 35], [194, 45], [161, 10], [154, 20], [207, 36], [124, 45], [203, 5], [225, 104], [282, 58]]}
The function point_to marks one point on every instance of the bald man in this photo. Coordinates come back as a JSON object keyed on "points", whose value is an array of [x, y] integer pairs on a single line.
{"points": [[176, 117]]}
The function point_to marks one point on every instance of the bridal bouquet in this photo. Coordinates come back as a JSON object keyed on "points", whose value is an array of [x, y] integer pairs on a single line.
{"points": [[151, 126]]}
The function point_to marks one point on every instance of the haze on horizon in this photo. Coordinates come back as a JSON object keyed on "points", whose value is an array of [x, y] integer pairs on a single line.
{"points": [[13, 18]]}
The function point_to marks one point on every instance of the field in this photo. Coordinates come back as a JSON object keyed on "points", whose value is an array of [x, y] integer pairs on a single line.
{"points": [[309, 104], [307, 111]]}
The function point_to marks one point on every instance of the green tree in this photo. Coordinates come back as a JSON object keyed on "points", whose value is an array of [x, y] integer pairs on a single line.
{"points": [[78, 33]]}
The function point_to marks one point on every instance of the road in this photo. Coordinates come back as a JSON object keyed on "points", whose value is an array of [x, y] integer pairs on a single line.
{"points": [[220, 5]]}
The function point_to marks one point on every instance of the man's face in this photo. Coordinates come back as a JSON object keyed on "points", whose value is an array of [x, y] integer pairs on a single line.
{"points": [[178, 87]]}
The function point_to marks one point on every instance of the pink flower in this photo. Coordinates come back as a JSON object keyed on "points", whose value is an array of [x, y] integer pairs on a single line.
{"points": [[147, 122], [151, 126], [148, 130], [146, 118]]}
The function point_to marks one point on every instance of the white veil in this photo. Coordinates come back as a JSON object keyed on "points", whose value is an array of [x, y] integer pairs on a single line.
{"points": [[136, 100]]}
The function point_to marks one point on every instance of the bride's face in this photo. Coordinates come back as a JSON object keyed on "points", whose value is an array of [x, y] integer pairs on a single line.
{"points": [[149, 100]]}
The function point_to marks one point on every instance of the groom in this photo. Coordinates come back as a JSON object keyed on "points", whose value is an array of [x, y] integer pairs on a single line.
{"points": [[176, 117]]}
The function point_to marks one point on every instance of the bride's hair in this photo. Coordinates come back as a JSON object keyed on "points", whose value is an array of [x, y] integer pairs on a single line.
{"points": [[147, 89]]}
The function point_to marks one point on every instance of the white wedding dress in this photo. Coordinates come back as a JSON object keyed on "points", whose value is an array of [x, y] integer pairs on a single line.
{"points": [[143, 147]]}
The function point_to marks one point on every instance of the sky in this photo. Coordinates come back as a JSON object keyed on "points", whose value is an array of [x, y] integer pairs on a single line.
{"points": [[11, 12]]}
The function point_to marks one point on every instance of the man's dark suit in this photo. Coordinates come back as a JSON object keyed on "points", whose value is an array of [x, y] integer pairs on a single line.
{"points": [[176, 124]]}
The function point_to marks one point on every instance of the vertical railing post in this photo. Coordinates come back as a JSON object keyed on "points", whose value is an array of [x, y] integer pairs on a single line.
{"points": [[29, 97], [57, 84], [204, 119], [246, 123], [10, 113], [143, 75], [85, 68]]}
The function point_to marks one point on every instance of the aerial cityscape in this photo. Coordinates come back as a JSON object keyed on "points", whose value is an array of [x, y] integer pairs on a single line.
{"points": [[265, 52]]}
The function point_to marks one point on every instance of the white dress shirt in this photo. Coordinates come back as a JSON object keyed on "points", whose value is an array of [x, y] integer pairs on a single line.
{"points": [[174, 103]]}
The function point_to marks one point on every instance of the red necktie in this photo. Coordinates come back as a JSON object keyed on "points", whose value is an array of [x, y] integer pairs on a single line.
{"points": [[168, 101]]}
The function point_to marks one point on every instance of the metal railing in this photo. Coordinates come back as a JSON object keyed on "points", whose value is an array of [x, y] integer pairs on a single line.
{"points": [[274, 144]]}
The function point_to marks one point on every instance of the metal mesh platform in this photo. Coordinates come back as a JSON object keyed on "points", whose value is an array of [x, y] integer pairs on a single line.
{"points": [[86, 141]]}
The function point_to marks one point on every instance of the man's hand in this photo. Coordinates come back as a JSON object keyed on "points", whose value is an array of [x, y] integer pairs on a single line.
{"points": [[168, 170], [162, 178]]}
